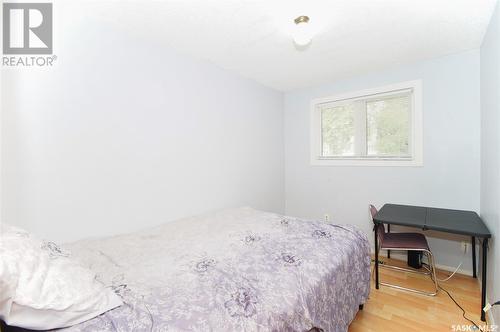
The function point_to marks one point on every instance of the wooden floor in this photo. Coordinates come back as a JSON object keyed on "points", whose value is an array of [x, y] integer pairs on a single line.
{"points": [[388, 309]]}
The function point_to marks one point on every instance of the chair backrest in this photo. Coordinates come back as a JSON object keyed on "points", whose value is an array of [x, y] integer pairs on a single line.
{"points": [[380, 227], [373, 211]]}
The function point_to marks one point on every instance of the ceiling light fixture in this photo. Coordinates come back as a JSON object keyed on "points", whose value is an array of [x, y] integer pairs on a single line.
{"points": [[302, 33]]}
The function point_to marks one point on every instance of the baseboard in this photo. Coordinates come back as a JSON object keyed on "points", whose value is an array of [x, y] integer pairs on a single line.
{"points": [[489, 315], [443, 267]]}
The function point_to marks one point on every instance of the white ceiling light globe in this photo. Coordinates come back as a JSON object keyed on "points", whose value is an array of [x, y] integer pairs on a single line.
{"points": [[302, 33]]}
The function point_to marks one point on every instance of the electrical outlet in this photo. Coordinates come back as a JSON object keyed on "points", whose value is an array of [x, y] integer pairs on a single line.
{"points": [[465, 246], [327, 217]]}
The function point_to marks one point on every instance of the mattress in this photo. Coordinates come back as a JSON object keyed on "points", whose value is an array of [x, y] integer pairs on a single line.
{"points": [[232, 270]]}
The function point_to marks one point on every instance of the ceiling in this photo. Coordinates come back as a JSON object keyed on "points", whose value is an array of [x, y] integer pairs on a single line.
{"points": [[351, 37]]}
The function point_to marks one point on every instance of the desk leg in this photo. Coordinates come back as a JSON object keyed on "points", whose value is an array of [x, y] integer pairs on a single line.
{"points": [[483, 279], [474, 274], [388, 231], [376, 257]]}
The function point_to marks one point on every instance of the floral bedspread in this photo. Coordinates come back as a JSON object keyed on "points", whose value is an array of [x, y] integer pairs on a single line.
{"points": [[233, 270]]}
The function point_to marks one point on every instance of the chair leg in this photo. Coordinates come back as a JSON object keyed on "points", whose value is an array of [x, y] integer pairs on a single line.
{"points": [[433, 268], [427, 271], [431, 272]]}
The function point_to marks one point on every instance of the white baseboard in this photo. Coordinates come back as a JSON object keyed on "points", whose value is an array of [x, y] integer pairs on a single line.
{"points": [[443, 267], [489, 315]]}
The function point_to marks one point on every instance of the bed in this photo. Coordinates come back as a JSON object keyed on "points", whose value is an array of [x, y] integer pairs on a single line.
{"points": [[232, 270]]}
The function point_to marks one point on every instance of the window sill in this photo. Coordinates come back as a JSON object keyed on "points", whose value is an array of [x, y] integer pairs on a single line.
{"points": [[367, 162]]}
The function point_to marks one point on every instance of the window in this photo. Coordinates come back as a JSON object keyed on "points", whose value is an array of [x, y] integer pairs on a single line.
{"points": [[381, 126]]}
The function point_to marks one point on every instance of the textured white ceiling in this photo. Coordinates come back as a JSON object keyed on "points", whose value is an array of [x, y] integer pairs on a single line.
{"points": [[351, 37]]}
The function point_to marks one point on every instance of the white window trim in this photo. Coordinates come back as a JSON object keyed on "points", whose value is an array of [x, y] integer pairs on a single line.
{"points": [[416, 137]]}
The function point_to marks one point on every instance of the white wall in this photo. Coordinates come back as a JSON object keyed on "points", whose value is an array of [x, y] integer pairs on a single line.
{"points": [[123, 133], [490, 151], [449, 177]]}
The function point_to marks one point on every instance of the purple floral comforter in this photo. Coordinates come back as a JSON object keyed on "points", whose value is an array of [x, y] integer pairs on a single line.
{"points": [[234, 270]]}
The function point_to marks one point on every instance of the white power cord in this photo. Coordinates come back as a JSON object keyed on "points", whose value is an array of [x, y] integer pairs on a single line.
{"points": [[451, 275]]}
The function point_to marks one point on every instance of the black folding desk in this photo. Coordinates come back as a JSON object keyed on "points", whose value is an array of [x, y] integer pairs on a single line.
{"points": [[443, 220]]}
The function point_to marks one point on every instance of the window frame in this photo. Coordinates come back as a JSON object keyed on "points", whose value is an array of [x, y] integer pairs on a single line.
{"points": [[416, 128]]}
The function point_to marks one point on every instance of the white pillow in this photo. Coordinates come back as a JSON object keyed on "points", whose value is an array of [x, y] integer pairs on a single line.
{"points": [[42, 288]]}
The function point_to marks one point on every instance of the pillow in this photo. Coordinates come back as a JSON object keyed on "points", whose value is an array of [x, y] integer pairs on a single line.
{"points": [[42, 287]]}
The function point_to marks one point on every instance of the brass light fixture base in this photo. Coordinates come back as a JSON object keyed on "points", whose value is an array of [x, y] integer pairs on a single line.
{"points": [[301, 19]]}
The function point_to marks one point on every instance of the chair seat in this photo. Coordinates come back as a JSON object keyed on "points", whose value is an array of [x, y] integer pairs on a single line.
{"points": [[415, 241]]}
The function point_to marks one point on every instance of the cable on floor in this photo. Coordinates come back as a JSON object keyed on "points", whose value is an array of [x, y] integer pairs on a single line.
{"points": [[463, 311]]}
